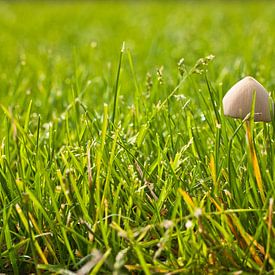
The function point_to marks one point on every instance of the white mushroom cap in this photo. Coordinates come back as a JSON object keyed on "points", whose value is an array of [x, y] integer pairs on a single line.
{"points": [[237, 102]]}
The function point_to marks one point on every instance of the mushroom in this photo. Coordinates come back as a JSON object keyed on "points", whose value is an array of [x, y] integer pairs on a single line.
{"points": [[238, 103]]}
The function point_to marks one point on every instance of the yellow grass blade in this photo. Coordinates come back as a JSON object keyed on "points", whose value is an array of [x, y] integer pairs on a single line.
{"points": [[255, 162], [188, 200], [213, 169], [245, 239], [26, 225]]}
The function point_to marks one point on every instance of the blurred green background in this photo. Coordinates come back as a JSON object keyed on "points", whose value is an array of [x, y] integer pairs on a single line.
{"points": [[46, 47]]}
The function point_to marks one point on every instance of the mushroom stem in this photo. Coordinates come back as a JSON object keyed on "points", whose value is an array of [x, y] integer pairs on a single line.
{"points": [[254, 160]]}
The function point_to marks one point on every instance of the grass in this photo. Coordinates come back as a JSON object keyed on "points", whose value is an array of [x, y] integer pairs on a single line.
{"points": [[116, 158]]}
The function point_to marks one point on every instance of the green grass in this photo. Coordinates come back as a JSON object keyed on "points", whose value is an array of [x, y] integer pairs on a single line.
{"points": [[117, 158]]}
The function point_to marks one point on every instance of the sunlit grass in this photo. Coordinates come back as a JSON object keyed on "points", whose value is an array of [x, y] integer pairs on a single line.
{"points": [[116, 158]]}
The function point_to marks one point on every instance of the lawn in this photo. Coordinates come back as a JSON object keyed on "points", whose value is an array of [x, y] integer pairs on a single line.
{"points": [[115, 155]]}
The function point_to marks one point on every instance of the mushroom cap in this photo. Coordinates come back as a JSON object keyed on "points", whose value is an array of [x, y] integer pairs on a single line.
{"points": [[237, 102]]}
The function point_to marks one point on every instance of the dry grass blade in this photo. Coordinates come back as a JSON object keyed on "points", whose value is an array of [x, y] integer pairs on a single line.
{"points": [[245, 240], [96, 256], [255, 163]]}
